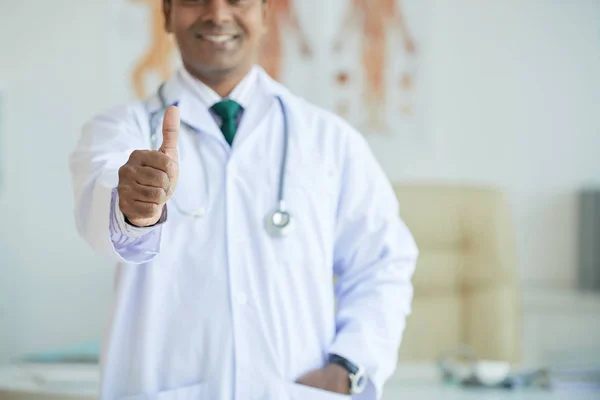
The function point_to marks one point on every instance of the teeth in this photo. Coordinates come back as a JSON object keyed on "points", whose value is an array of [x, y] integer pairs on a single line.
{"points": [[218, 38]]}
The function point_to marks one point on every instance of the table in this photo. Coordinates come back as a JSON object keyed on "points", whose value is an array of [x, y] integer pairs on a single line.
{"points": [[49, 382], [422, 382], [414, 382]]}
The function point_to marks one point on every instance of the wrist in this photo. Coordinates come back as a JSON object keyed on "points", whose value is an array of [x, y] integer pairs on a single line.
{"points": [[337, 371], [356, 379], [338, 378], [146, 223]]}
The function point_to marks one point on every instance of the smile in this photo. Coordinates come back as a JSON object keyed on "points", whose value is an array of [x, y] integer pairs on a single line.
{"points": [[219, 39]]}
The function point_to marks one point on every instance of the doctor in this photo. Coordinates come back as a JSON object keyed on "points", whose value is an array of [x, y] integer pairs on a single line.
{"points": [[232, 206]]}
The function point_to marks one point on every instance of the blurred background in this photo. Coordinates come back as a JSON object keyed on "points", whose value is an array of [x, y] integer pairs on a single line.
{"points": [[484, 114]]}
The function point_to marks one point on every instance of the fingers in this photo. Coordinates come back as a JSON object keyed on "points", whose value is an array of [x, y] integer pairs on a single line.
{"points": [[141, 203], [170, 132], [144, 194], [147, 176], [137, 210], [153, 159]]}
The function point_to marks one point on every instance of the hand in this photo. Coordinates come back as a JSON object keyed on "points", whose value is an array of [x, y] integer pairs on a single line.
{"points": [[149, 178], [332, 378]]}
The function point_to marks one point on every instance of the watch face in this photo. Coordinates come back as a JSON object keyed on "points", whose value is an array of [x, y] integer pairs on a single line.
{"points": [[359, 382]]}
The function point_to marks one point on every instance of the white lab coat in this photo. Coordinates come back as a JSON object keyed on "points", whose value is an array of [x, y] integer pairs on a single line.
{"points": [[214, 307]]}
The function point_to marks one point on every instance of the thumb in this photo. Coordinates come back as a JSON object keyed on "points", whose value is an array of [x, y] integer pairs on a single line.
{"points": [[170, 132]]}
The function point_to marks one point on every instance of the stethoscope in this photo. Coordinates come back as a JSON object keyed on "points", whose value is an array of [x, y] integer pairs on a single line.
{"points": [[278, 222]]}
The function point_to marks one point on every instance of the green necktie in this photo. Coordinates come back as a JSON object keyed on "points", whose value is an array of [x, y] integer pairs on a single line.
{"points": [[228, 110]]}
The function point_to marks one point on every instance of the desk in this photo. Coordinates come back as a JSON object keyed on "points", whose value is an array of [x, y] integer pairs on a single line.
{"points": [[409, 382], [47, 382], [422, 382], [435, 392]]}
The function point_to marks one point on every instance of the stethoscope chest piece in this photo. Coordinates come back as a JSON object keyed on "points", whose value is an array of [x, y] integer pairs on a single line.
{"points": [[278, 223]]}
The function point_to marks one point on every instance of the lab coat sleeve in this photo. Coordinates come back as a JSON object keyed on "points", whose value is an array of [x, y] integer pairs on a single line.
{"points": [[133, 243], [105, 144], [375, 257]]}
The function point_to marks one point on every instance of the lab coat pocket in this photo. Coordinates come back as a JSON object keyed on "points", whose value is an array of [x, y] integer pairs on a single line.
{"points": [[193, 392], [311, 199], [303, 392]]}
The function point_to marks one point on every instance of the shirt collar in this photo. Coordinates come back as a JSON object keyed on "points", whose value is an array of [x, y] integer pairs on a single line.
{"points": [[242, 93]]}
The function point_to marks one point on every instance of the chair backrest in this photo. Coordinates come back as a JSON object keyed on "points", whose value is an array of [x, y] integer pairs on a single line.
{"points": [[465, 280]]}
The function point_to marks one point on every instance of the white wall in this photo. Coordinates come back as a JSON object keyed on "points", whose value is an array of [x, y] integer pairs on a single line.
{"points": [[515, 102], [53, 289]]}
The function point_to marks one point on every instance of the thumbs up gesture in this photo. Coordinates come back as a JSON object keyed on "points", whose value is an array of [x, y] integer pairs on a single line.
{"points": [[148, 179]]}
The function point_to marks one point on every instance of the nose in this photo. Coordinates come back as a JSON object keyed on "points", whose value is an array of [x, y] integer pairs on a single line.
{"points": [[219, 11]]}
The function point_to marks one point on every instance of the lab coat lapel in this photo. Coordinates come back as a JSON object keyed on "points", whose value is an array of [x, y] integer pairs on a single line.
{"points": [[264, 100], [291, 102], [195, 113], [254, 116], [191, 109], [300, 154]]}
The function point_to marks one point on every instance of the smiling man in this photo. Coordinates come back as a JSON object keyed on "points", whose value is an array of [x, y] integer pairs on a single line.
{"points": [[231, 205]]}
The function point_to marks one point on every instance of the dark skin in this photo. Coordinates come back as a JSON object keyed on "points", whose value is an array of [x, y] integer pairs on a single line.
{"points": [[219, 42], [221, 67]]}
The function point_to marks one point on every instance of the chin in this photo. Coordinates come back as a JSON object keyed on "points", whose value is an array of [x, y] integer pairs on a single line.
{"points": [[218, 67]]}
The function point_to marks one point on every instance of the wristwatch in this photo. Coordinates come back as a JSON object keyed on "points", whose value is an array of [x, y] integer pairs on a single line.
{"points": [[356, 374]]}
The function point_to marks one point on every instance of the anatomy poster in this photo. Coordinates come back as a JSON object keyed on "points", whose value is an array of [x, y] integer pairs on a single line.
{"points": [[361, 59], [158, 56], [376, 81]]}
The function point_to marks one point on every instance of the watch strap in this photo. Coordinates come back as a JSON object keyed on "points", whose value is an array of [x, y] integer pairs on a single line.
{"points": [[344, 363]]}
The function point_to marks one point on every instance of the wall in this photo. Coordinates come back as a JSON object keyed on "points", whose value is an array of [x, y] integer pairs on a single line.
{"points": [[515, 102], [53, 289]]}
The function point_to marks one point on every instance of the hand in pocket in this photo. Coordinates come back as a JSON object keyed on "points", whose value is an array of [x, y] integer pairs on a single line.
{"points": [[331, 378]]}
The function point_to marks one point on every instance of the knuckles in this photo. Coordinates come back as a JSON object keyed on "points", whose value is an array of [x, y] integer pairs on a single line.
{"points": [[125, 171], [155, 209], [137, 201], [136, 156]]}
